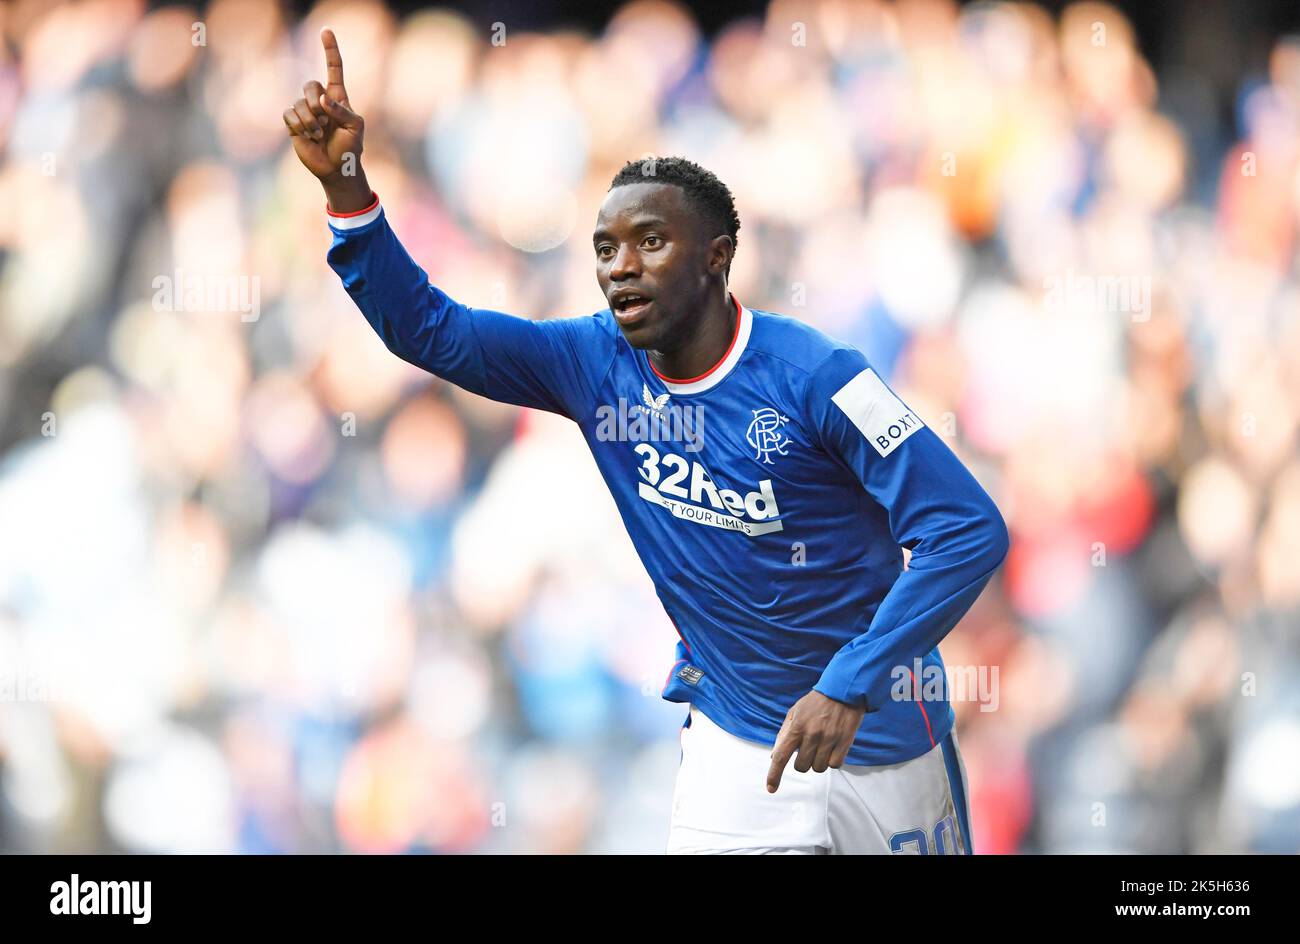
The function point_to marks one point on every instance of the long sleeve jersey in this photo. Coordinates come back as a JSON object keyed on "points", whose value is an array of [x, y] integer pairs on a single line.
{"points": [[769, 499]]}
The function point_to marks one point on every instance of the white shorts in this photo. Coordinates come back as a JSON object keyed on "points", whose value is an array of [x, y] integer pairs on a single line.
{"points": [[721, 803]]}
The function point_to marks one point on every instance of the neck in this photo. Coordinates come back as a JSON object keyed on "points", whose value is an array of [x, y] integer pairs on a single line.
{"points": [[714, 332]]}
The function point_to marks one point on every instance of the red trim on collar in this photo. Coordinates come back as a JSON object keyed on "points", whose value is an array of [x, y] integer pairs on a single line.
{"points": [[374, 203], [720, 362]]}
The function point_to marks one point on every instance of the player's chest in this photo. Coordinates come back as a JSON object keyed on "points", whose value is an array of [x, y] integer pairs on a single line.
{"points": [[736, 458]]}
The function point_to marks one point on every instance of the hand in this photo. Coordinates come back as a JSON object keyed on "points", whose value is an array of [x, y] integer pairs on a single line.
{"points": [[821, 729], [327, 133]]}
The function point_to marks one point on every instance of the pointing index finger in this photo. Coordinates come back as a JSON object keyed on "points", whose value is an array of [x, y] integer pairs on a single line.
{"points": [[786, 743], [333, 67]]}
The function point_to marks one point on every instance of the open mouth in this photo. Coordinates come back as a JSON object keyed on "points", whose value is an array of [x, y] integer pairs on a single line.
{"points": [[630, 308]]}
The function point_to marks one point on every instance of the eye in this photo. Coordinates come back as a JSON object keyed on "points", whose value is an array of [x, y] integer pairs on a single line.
{"points": [[604, 252], [653, 242]]}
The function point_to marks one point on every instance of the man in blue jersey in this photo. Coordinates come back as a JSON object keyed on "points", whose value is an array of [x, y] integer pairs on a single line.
{"points": [[768, 478]]}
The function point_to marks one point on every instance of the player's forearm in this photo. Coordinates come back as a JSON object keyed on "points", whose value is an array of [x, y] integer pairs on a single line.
{"points": [[496, 355], [948, 571], [416, 321]]}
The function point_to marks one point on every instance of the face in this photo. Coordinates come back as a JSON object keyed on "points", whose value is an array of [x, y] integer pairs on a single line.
{"points": [[655, 264]]}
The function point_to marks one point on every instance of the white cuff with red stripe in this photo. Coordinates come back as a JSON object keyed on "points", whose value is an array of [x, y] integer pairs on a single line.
{"points": [[356, 218]]}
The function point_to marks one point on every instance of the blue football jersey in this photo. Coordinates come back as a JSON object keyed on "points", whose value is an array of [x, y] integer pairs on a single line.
{"points": [[769, 499]]}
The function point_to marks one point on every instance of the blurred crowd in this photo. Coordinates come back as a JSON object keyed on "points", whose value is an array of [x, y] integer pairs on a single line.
{"points": [[266, 588]]}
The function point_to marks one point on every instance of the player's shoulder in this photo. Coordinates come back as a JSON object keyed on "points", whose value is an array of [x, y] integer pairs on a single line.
{"points": [[601, 323], [811, 354], [596, 328]]}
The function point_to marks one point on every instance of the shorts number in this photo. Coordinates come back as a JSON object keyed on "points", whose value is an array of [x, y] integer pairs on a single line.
{"points": [[945, 832]]}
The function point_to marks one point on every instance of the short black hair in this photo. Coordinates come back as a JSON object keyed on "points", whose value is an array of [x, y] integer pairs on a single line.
{"points": [[709, 195]]}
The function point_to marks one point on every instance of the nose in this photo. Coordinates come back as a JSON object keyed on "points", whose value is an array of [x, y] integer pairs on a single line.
{"points": [[626, 264]]}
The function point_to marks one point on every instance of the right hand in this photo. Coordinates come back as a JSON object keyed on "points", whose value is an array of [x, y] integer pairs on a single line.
{"points": [[324, 128]]}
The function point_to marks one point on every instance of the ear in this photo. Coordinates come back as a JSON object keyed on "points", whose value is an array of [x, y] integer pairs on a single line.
{"points": [[721, 251]]}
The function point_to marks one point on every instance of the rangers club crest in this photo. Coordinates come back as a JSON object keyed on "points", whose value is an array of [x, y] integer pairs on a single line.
{"points": [[764, 434]]}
